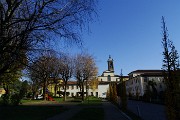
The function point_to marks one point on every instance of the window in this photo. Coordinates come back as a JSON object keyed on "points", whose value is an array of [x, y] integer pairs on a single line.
{"points": [[67, 87], [72, 87], [109, 78], [145, 79], [96, 94]]}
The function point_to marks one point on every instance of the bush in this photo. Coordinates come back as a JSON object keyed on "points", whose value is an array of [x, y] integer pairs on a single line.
{"points": [[15, 99], [6, 99]]}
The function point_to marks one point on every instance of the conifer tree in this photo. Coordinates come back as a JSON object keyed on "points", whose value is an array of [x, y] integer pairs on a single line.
{"points": [[171, 69], [123, 92]]}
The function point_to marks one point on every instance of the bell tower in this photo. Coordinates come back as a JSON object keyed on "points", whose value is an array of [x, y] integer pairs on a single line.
{"points": [[110, 64]]}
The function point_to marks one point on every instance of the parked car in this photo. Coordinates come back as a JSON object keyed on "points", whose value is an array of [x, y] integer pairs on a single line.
{"points": [[39, 97]]}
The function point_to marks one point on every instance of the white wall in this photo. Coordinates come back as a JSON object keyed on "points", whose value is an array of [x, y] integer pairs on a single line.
{"points": [[102, 90], [137, 83]]}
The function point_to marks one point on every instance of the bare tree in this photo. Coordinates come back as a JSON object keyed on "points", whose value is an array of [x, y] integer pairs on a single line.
{"points": [[41, 71], [171, 75], [66, 70], [85, 69], [25, 24]]}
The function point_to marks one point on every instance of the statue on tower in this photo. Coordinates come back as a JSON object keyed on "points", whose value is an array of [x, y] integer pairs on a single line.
{"points": [[110, 64]]}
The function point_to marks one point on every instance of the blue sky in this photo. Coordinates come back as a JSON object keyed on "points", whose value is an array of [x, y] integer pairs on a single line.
{"points": [[130, 31]]}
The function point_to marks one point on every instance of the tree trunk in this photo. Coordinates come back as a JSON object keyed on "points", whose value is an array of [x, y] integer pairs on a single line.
{"points": [[82, 91], [44, 91], [55, 90], [65, 86], [86, 89]]}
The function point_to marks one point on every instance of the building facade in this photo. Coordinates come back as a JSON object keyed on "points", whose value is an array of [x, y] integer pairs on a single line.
{"points": [[140, 80], [104, 80], [108, 75]]}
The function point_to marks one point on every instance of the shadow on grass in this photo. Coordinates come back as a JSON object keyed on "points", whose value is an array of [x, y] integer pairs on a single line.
{"points": [[29, 112]]}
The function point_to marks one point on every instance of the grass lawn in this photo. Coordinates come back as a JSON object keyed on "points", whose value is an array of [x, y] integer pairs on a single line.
{"points": [[89, 114], [91, 111], [58, 99], [92, 101], [31, 101], [29, 112]]}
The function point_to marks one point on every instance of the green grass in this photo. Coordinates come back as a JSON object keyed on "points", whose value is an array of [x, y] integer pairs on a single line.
{"points": [[34, 112], [89, 114], [29, 112], [91, 110], [91, 101], [58, 99], [30, 101]]}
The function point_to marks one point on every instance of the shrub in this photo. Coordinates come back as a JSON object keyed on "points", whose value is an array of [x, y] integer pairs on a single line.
{"points": [[15, 99], [6, 99]]}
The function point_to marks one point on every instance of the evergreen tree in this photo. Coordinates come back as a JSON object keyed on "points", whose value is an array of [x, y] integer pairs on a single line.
{"points": [[171, 69], [123, 95]]}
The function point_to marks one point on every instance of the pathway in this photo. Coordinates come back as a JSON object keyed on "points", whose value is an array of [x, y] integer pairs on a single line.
{"points": [[73, 108], [111, 112], [147, 111]]}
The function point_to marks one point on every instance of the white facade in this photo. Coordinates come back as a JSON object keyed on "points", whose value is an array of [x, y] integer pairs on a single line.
{"points": [[102, 90], [108, 76], [138, 80], [73, 89]]}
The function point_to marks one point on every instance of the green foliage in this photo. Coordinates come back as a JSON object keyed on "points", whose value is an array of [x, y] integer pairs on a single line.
{"points": [[11, 99], [113, 92], [124, 96], [5, 99], [150, 92], [92, 101], [15, 99], [17, 90]]}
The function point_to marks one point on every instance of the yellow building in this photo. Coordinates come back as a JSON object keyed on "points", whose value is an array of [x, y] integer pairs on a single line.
{"points": [[2, 91], [54, 84]]}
